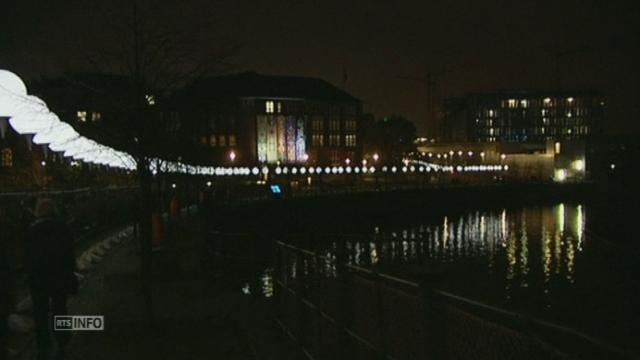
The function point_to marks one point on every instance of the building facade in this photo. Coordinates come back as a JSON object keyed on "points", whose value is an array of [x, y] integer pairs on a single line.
{"points": [[524, 116], [250, 118]]}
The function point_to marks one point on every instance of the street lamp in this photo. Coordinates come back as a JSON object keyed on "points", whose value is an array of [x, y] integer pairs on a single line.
{"points": [[376, 157], [232, 155], [347, 161]]}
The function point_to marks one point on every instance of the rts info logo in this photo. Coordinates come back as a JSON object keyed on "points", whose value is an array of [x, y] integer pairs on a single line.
{"points": [[79, 323]]}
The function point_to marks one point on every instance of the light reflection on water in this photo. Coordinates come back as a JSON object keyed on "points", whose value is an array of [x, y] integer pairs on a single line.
{"points": [[521, 245], [525, 247]]}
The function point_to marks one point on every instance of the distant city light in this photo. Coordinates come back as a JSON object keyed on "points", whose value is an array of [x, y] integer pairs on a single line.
{"points": [[560, 175], [612, 166]]}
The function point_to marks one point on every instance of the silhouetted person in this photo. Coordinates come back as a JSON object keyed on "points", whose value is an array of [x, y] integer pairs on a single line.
{"points": [[50, 264]]}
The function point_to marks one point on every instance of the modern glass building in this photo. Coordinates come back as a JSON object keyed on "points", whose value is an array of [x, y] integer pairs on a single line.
{"points": [[524, 116]]}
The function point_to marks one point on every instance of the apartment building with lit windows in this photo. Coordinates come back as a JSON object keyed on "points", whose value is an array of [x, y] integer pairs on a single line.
{"points": [[524, 116], [249, 118]]}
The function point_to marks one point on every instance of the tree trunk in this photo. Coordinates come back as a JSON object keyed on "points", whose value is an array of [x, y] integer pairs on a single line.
{"points": [[145, 213]]}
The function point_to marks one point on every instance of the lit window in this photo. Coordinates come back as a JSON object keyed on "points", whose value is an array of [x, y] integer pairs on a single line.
{"points": [[512, 103], [7, 157], [96, 116], [212, 140], [524, 103], [151, 100], [490, 113], [557, 147], [279, 104], [232, 140], [82, 116], [269, 107], [334, 140], [222, 140], [350, 140], [317, 140], [570, 100], [547, 101]]}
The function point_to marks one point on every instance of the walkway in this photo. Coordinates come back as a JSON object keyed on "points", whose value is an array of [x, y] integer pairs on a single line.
{"points": [[196, 316]]}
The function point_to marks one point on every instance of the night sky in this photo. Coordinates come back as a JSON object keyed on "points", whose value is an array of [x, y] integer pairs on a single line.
{"points": [[475, 45]]}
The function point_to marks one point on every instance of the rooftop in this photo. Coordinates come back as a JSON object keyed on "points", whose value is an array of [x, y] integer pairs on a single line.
{"points": [[252, 84]]}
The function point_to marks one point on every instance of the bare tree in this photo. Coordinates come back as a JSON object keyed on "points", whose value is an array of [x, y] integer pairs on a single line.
{"points": [[156, 56]]}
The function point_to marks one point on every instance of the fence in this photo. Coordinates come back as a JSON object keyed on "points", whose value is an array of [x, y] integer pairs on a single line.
{"points": [[335, 310]]}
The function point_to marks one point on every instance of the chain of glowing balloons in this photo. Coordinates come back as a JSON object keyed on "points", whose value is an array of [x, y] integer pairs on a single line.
{"points": [[30, 115]]}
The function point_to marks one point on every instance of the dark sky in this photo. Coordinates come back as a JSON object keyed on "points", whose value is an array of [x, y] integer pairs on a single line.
{"points": [[479, 45]]}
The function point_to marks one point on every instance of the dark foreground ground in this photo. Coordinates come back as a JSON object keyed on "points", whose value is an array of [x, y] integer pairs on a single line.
{"points": [[198, 315]]}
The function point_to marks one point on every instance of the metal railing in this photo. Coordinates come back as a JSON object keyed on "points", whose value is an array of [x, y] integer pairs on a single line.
{"points": [[332, 309]]}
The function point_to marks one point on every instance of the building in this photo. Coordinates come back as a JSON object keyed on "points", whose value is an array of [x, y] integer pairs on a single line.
{"points": [[527, 161], [523, 116], [250, 118]]}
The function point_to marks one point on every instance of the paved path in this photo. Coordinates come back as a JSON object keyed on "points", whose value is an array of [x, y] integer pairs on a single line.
{"points": [[197, 316]]}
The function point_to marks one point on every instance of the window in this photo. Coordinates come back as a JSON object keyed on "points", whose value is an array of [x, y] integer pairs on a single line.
{"points": [[334, 125], [317, 140], [96, 116], [334, 140], [350, 140], [232, 140], [335, 157], [512, 103], [151, 100], [279, 104], [7, 157], [316, 125], [82, 116], [350, 125], [269, 107], [222, 140], [557, 148], [212, 140], [204, 140]]}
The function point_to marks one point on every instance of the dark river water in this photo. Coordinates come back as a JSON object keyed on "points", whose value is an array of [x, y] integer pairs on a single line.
{"points": [[540, 260]]}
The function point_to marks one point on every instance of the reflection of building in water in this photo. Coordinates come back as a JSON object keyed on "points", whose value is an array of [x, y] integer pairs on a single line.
{"points": [[510, 244], [500, 239]]}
